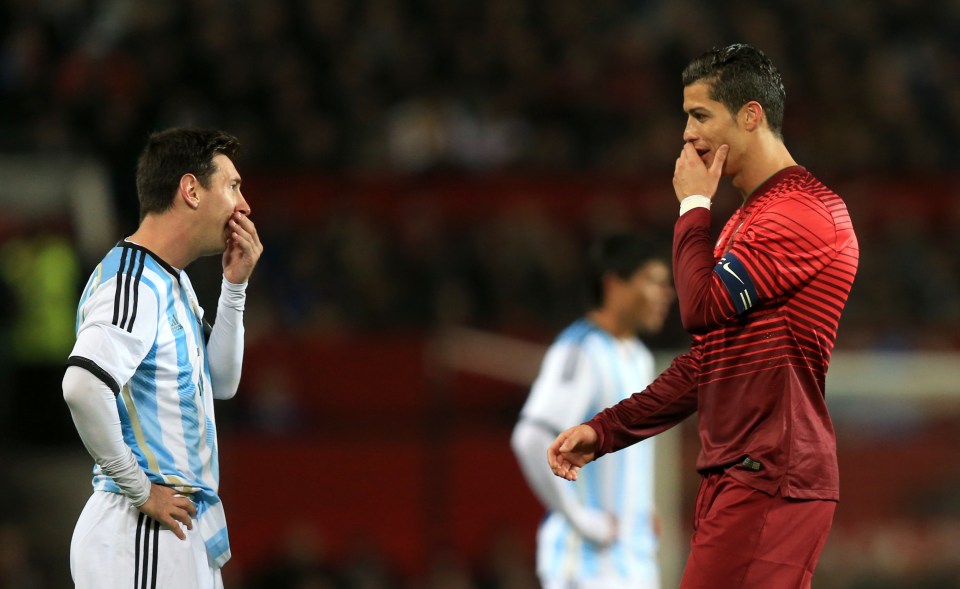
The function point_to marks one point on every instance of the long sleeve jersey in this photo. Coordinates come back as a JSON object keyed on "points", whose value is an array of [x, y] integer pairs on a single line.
{"points": [[763, 305]]}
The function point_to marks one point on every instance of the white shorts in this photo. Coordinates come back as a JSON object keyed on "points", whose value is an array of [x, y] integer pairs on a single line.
{"points": [[115, 546]]}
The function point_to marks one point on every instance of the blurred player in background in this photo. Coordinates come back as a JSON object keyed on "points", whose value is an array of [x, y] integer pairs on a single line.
{"points": [[601, 533], [763, 304], [146, 367]]}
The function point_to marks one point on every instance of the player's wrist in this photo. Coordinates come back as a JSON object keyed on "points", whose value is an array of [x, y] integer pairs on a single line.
{"points": [[138, 498], [233, 295], [234, 286], [595, 525]]}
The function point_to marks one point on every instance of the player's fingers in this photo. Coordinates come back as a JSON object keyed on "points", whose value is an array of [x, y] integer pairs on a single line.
{"points": [[242, 228], [551, 458], [172, 524], [559, 466], [250, 227], [248, 230], [568, 472], [721, 156], [182, 516], [187, 505], [689, 154]]}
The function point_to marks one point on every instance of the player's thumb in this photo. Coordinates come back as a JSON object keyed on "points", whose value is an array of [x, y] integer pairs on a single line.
{"points": [[569, 443]]}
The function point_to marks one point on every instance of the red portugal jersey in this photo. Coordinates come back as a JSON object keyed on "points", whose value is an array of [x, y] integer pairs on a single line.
{"points": [[763, 305]]}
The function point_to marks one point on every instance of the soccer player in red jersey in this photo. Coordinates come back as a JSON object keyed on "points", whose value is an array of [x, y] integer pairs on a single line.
{"points": [[762, 305]]}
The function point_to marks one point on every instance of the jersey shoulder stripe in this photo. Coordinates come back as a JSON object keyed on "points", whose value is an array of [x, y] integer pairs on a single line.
{"points": [[125, 289], [132, 267]]}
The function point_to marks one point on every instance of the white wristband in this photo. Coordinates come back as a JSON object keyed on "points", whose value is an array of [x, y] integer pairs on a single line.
{"points": [[694, 201]]}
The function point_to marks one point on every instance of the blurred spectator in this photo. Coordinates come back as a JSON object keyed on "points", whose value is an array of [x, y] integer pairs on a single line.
{"points": [[17, 570], [300, 562], [446, 571], [366, 567], [509, 564]]}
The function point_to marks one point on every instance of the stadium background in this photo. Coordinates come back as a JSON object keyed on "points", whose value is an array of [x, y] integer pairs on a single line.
{"points": [[424, 175]]}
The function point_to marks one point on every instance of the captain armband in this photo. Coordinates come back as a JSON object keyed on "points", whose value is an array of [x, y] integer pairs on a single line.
{"points": [[737, 280]]}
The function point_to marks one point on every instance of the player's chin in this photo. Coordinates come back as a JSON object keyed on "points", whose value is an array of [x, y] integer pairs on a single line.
{"points": [[654, 323], [215, 251], [216, 248]]}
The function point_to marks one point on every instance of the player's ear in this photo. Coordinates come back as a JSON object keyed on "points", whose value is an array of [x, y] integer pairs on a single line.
{"points": [[752, 115], [187, 191]]}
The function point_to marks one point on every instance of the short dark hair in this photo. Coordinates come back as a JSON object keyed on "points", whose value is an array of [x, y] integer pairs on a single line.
{"points": [[622, 255], [737, 74], [170, 154]]}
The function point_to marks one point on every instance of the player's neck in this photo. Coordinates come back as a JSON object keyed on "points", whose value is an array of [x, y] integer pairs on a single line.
{"points": [[767, 157], [608, 321], [166, 239]]}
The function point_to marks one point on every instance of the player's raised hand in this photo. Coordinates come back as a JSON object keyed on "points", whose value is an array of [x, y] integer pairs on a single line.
{"points": [[691, 174], [243, 249], [571, 450], [171, 509]]}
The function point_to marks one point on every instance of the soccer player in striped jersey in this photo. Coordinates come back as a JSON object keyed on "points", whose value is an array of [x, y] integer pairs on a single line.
{"points": [[600, 533], [146, 367], [763, 304]]}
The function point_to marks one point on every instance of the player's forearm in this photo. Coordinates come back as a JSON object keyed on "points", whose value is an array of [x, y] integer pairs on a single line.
{"points": [[669, 399], [703, 300], [530, 443], [94, 410], [225, 348]]}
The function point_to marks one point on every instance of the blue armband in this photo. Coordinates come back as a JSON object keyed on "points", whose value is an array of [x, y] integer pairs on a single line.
{"points": [[737, 280]]}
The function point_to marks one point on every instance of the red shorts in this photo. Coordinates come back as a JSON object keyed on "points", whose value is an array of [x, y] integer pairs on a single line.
{"points": [[746, 539]]}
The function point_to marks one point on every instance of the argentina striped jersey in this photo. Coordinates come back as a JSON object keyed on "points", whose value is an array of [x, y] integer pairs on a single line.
{"points": [[140, 330], [585, 370]]}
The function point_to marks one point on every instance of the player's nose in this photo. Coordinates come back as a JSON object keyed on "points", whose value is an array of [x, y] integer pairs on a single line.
{"points": [[242, 205], [689, 132]]}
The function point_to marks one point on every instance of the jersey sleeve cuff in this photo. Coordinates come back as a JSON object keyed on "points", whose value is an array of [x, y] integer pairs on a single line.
{"points": [[694, 201], [597, 426]]}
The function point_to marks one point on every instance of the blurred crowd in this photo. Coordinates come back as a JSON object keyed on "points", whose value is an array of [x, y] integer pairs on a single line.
{"points": [[418, 84]]}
